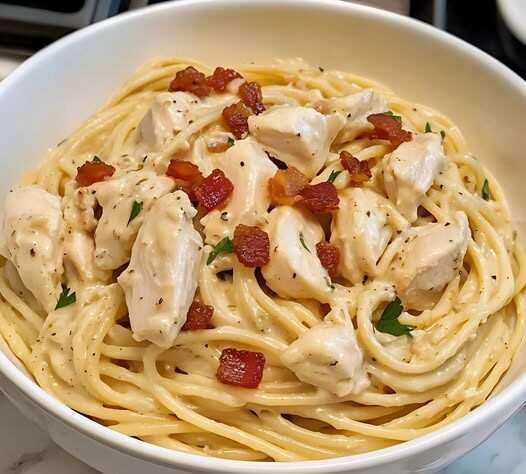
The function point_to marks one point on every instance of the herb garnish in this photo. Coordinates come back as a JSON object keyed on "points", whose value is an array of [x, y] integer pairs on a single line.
{"points": [[96, 159], [428, 128], [135, 210], [391, 114], [334, 174], [302, 242], [66, 298], [225, 245], [389, 323], [485, 190], [230, 142], [442, 134]]}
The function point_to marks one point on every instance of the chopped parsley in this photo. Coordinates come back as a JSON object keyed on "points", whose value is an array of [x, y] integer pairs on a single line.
{"points": [[135, 210], [443, 134], [334, 174], [225, 245], [391, 114], [428, 128], [230, 142], [389, 323], [96, 159], [302, 242], [485, 190], [66, 298]]}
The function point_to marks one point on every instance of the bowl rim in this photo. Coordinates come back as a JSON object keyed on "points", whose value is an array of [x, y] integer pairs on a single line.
{"points": [[509, 398]]}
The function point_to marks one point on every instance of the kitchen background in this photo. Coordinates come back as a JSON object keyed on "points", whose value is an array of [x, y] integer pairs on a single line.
{"points": [[495, 26]]}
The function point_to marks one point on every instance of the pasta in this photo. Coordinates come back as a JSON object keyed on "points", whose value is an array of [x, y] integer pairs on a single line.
{"points": [[382, 304]]}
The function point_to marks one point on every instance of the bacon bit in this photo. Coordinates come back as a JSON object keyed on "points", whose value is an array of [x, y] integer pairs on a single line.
{"points": [[250, 94], [93, 172], [190, 80], [186, 175], [235, 117], [286, 185], [198, 317], [387, 127], [321, 197], [359, 171], [214, 190], [251, 245], [221, 78], [240, 368], [329, 256]]}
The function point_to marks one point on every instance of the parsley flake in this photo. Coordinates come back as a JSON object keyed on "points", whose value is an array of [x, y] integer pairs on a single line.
{"points": [[332, 177], [225, 245], [389, 323], [391, 114], [96, 159], [302, 242], [135, 210], [230, 142], [443, 134], [485, 193], [66, 298], [428, 128]]}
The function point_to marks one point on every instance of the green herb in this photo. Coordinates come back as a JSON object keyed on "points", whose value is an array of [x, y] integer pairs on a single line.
{"points": [[391, 114], [389, 320], [225, 245], [96, 159], [334, 174], [485, 190], [302, 242], [136, 208], [66, 298], [428, 128], [443, 134], [230, 142]]}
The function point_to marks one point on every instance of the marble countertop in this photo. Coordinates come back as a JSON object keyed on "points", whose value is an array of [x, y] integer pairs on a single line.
{"points": [[25, 449]]}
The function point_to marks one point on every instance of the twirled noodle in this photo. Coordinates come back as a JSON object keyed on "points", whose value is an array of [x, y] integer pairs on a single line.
{"points": [[85, 356]]}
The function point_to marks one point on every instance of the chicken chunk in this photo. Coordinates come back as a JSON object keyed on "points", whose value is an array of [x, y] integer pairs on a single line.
{"points": [[118, 227], [354, 109], [429, 261], [299, 136], [172, 112], [33, 235], [328, 356], [161, 279], [79, 245], [411, 170], [249, 169], [359, 230], [294, 270]]}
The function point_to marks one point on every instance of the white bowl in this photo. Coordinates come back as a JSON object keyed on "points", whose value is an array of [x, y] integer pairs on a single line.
{"points": [[49, 95]]}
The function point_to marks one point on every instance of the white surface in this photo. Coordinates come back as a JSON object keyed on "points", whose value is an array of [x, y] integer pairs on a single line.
{"points": [[514, 15], [431, 67]]}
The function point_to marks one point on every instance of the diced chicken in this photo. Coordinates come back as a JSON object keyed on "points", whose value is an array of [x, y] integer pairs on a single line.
{"points": [[294, 270], [328, 356], [429, 261], [249, 169], [359, 230], [172, 112], [161, 279], [354, 109], [411, 170], [79, 244], [117, 228], [299, 136], [33, 233]]}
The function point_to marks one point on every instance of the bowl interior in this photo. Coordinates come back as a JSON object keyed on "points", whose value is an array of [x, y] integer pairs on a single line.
{"points": [[48, 97]]}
